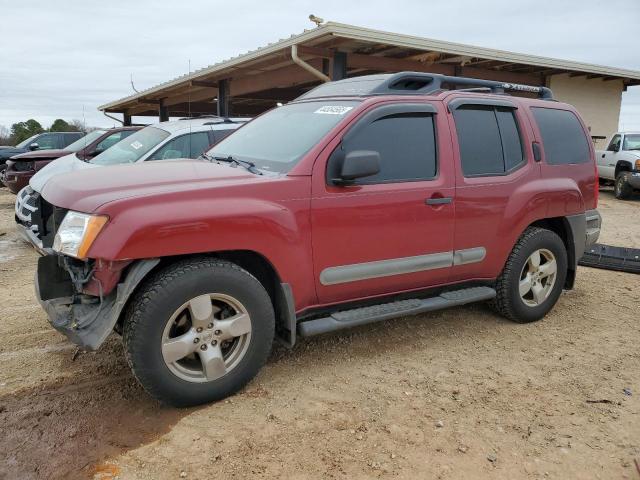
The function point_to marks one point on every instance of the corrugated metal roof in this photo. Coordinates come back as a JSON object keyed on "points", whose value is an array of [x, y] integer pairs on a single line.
{"points": [[332, 29]]}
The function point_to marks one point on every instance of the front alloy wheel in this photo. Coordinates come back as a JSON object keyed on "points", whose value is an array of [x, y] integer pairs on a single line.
{"points": [[198, 330], [206, 337]]}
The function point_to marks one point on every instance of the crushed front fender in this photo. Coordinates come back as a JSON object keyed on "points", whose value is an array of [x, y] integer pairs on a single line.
{"points": [[89, 321]]}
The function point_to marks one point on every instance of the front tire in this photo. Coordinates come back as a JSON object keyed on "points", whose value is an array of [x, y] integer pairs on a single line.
{"points": [[198, 331], [622, 190], [533, 276]]}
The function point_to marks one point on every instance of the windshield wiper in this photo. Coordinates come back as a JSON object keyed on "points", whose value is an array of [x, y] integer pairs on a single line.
{"points": [[250, 166]]}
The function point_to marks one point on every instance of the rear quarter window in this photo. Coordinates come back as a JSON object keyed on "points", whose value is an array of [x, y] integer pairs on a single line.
{"points": [[563, 138]]}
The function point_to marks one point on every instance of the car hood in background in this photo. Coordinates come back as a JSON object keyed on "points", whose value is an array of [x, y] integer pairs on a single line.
{"points": [[66, 164], [41, 154], [6, 153], [85, 191]]}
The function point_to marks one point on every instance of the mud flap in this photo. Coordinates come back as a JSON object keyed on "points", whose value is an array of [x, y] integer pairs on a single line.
{"points": [[608, 257], [89, 324]]}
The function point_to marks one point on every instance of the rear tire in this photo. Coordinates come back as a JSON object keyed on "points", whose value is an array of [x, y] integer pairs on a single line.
{"points": [[198, 331], [526, 292], [622, 190]]}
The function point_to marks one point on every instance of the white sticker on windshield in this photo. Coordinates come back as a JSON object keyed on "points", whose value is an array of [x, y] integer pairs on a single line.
{"points": [[333, 109], [137, 145]]}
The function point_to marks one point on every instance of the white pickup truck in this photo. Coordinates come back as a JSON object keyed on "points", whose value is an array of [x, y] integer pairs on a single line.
{"points": [[620, 163]]}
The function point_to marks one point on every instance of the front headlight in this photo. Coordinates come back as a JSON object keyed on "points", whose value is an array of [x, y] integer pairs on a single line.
{"points": [[77, 232]]}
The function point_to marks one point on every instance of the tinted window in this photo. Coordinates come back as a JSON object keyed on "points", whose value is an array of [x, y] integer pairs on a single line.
{"points": [[488, 139], [84, 141], [631, 142], [614, 144], [112, 139], [133, 148], [563, 138], [47, 141], [186, 146], [406, 144]]}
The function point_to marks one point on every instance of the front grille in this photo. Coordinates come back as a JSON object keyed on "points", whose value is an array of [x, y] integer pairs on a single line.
{"points": [[27, 205], [21, 166]]}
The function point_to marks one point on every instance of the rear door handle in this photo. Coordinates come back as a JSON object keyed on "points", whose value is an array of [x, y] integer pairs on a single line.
{"points": [[438, 200]]}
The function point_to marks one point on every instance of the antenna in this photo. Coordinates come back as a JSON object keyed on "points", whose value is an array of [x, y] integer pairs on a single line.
{"points": [[133, 86]]}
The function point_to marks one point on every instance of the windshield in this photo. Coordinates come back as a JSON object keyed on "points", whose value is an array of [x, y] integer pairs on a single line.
{"points": [[277, 140], [26, 142], [631, 142], [84, 141], [132, 148]]}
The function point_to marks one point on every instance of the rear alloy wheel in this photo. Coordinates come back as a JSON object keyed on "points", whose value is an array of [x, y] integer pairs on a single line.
{"points": [[538, 277], [533, 277], [621, 189], [198, 331]]}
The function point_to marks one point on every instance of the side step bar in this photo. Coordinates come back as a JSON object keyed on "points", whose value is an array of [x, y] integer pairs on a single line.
{"points": [[609, 257], [401, 308]]}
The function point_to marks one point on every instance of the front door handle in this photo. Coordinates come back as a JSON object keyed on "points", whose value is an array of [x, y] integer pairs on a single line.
{"points": [[438, 200]]}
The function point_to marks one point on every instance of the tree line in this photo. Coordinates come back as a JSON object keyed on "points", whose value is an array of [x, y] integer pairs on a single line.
{"points": [[22, 130]]}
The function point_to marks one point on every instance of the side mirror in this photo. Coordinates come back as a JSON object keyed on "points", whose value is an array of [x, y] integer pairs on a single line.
{"points": [[358, 164], [613, 148], [34, 146]]}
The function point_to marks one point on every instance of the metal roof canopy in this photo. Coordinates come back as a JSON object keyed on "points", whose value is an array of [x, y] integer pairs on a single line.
{"points": [[255, 81]]}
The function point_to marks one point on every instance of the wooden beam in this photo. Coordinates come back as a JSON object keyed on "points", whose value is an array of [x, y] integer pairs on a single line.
{"points": [[608, 79], [195, 95], [388, 64], [204, 83], [594, 75], [577, 74], [282, 78], [149, 101]]}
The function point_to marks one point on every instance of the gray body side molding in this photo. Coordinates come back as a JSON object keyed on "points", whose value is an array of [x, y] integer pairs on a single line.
{"points": [[88, 325], [398, 266]]}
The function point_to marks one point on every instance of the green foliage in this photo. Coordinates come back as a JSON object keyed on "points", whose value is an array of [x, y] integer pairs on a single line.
{"points": [[60, 125], [22, 130]]}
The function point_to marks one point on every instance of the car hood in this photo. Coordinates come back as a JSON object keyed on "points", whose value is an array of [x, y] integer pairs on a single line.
{"points": [[87, 190], [6, 153], [66, 164], [37, 154]]}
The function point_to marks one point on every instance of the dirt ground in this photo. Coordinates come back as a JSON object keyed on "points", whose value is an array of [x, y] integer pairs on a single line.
{"points": [[456, 394]]}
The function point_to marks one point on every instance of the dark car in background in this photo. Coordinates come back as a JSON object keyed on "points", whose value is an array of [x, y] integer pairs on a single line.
{"points": [[40, 141], [20, 168]]}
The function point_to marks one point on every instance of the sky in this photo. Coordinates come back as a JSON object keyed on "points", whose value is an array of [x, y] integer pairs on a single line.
{"points": [[64, 59]]}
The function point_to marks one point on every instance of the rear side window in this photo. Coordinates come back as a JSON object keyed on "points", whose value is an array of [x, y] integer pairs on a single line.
{"points": [[563, 138], [186, 146], [489, 140], [406, 144]]}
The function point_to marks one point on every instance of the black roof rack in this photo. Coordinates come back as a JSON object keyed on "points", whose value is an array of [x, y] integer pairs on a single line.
{"points": [[416, 83]]}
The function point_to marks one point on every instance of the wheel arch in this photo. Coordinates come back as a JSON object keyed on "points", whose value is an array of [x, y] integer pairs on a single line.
{"points": [[562, 226], [622, 166], [258, 266]]}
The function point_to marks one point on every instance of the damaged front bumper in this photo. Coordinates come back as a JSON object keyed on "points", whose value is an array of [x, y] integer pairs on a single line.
{"points": [[86, 320]]}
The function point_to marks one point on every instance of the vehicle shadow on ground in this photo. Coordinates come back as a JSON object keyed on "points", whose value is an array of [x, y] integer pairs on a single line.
{"points": [[62, 429], [66, 429]]}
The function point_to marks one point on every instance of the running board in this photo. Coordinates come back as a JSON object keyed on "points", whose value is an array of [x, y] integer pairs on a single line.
{"points": [[385, 311]]}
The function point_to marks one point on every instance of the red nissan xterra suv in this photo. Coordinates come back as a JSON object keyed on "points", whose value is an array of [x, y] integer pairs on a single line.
{"points": [[364, 199]]}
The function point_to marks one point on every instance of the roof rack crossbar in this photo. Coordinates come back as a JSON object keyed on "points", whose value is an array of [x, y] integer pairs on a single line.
{"points": [[418, 82]]}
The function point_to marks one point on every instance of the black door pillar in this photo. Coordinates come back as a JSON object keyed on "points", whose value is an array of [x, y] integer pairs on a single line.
{"points": [[223, 98], [339, 70], [163, 112]]}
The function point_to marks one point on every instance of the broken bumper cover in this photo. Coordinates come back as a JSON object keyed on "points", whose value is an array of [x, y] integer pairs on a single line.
{"points": [[86, 323]]}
